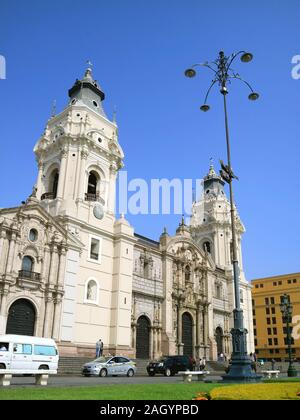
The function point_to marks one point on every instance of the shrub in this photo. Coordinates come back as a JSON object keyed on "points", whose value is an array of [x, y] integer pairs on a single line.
{"points": [[279, 391]]}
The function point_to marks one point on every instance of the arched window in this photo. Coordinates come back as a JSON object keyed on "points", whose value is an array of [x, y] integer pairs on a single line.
{"points": [[91, 291], [27, 264], [92, 189], [55, 184], [53, 179], [188, 274], [207, 247]]}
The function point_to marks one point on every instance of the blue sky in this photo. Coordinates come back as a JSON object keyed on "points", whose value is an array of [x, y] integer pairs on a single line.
{"points": [[140, 49]]}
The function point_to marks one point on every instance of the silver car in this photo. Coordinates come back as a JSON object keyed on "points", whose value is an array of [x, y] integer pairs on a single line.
{"points": [[110, 366]]}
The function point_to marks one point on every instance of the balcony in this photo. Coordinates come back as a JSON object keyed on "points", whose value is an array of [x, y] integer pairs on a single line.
{"points": [[29, 279], [48, 196], [92, 197], [30, 275]]}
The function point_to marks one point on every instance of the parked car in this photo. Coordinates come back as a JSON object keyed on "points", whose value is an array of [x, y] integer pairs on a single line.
{"points": [[110, 366], [28, 353], [170, 365]]}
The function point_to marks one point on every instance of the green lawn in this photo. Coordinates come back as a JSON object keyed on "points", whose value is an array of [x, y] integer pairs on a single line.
{"points": [[112, 392]]}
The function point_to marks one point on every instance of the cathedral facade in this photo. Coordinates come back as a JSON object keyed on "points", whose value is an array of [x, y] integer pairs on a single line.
{"points": [[72, 271]]}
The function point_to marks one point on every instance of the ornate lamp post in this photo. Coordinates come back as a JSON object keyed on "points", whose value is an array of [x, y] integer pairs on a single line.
{"points": [[241, 364], [287, 312]]}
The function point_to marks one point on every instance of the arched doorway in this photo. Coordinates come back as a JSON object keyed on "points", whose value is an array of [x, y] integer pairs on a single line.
{"points": [[219, 340], [187, 334], [21, 318], [143, 338]]}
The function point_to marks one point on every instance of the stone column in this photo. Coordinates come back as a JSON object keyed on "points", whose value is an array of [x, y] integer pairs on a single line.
{"points": [[11, 253], [62, 174], [112, 189], [3, 312], [48, 316], [133, 332], [2, 250], [53, 266], [46, 265], [151, 343], [62, 267], [179, 327], [39, 184], [195, 343], [57, 318], [199, 330], [81, 181]]}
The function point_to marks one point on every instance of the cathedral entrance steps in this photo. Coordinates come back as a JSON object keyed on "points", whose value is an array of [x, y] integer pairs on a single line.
{"points": [[71, 365], [216, 366]]}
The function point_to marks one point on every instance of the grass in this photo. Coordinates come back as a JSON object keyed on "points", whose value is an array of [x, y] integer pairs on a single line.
{"points": [[159, 392], [287, 390]]}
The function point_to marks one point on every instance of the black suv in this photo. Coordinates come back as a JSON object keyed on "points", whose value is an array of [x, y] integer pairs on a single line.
{"points": [[170, 365]]}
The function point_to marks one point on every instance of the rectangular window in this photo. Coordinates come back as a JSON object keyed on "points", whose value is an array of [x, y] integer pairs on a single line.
{"points": [[268, 311], [45, 351], [95, 249], [272, 301], [270, 342], [275, 341], [274, 321], [22, 349], [275, 331], [269, 331], [273, 311], [268, 321], [267, 301]]}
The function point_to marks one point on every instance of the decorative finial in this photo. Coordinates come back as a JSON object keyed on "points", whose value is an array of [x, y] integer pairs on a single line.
{"points": [[115, 115], [53, 111], [183, 220], [211, 162], [90, 65]]}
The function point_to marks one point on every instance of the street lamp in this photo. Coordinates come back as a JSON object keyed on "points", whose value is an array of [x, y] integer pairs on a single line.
{"points": [[241, 363], [287, 312]]}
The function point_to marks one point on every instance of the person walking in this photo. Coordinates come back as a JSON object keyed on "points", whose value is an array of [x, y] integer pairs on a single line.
{"points": [[203, 364]]}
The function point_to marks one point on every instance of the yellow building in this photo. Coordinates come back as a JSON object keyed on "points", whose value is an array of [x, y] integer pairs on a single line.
{"points": [[270, 329]]}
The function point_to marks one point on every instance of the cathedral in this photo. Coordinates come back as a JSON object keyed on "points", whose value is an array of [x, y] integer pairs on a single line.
{"points": [[70, 270]]}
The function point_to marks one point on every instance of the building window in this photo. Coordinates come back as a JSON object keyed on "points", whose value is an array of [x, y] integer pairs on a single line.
{"points": [[27, 264], [270, 341], [207, 247], [274, 321], [267, 301], [268, 311], [275, 331], [92, 193], [91, 291], [269, 331], [95, 249], [242, 296], [275, 341], [33, 235], [273, 311]]}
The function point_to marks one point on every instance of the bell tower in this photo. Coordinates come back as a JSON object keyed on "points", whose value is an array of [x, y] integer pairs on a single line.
{"points": [[210, 222], [79, 156]]}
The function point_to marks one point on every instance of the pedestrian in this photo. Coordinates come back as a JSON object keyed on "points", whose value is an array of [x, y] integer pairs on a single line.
{"points": [[253, 362], [202, 364], [99, 348], [273, 363]]}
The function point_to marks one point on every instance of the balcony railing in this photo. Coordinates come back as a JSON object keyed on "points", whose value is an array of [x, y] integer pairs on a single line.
{"points": [[92, 197], [48, 196], [29, 275]]}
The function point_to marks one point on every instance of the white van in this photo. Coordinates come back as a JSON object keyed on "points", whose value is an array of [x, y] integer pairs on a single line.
{"points": [[28, 353]]}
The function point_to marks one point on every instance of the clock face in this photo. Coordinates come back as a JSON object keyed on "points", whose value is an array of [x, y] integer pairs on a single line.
{"points": [[98, 212]]}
